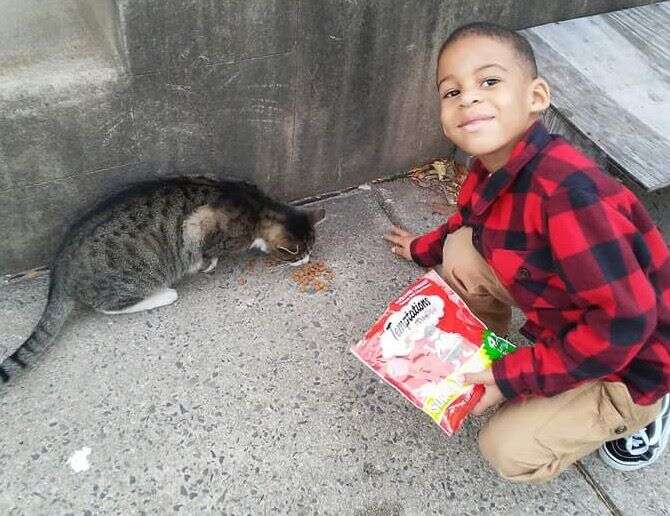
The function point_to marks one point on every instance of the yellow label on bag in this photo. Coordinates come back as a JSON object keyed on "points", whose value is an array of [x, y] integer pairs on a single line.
{"points": [[446, 392], [449, 389]]}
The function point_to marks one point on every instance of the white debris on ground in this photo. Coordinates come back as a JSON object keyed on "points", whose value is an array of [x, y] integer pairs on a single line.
{"points": [[79, 460]]}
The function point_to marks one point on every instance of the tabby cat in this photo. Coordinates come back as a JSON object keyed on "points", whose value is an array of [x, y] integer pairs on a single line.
{"points": [[126, 254]]}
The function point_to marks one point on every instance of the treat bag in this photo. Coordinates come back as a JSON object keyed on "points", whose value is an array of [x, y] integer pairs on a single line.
{"points": [[423, 340]]}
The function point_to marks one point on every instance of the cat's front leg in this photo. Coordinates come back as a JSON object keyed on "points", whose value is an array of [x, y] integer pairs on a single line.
{"points": [[209, 264]]}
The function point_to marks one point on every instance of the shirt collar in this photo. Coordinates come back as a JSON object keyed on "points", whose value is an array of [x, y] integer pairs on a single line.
{"points": [[491, 186]]}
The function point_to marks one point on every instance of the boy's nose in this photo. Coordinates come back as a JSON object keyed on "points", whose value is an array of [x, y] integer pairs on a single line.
{"points": [[467, 99]]}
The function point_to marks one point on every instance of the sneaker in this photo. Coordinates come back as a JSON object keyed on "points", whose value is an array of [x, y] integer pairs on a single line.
{"points": [[643, 447]]}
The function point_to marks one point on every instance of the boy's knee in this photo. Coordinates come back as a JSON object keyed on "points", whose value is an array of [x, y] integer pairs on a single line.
{"points": [[497, 454], [516, 457]]}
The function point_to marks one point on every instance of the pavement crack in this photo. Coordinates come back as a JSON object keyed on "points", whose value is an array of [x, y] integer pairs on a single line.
{"points": [[598, 489], [336, 193], [322, 197], [381, 195]]}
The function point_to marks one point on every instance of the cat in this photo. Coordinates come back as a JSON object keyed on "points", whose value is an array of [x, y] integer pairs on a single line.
{"points": [[126, 254]]}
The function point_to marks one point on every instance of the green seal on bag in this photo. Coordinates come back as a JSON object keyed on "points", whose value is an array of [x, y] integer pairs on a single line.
{"points": [[496, 347]]}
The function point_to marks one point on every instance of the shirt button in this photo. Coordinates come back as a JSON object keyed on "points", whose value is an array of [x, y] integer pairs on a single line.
{"points": [[620, 429], [524, 273]]}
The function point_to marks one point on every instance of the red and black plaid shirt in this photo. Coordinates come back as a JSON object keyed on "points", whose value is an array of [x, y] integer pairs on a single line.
{"points": [[581, 257]]}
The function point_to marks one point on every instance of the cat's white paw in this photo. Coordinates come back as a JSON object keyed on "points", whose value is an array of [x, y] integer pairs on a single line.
{"points": [[212, 265], [260, 244], [161, 298]]}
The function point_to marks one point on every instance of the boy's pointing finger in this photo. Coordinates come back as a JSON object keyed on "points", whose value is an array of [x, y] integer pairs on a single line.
{"points": [[484, 377], [400, 231], [394, 239], [398, 235]]}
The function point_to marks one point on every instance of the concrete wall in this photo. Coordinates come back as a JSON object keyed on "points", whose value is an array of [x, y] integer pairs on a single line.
{"points": [[301, 97]]}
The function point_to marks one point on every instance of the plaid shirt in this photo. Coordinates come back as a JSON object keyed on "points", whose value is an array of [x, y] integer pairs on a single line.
{"points": [[581, 257]]}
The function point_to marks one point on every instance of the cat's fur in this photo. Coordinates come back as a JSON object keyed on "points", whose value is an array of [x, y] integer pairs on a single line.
{"points": [[126, 254]]}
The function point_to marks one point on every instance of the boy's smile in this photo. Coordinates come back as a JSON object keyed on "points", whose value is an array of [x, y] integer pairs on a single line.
{"points": [[488, 98], [473, 123]]}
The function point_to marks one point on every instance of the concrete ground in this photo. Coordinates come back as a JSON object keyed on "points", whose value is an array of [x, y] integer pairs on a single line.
{"points": [[242, 398]]}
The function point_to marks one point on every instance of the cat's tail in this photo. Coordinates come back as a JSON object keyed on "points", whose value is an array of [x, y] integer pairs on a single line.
{"points": [[58, 308]]}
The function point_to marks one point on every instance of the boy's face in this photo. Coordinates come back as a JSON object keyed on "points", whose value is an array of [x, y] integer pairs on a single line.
{"points": [[487, 97]]}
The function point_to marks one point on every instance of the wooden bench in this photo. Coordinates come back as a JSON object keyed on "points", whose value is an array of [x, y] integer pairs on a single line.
{"points": [[610, 80]]}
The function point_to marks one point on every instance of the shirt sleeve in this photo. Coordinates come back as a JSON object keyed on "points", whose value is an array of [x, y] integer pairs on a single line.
{"points": [[426, 249], [600, 255]]}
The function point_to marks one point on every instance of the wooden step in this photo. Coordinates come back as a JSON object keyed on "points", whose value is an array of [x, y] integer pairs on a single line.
{"points": [[610, 81]]}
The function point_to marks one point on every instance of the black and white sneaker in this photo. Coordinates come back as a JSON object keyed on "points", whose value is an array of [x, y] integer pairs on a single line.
{"points": [[642, 448]]}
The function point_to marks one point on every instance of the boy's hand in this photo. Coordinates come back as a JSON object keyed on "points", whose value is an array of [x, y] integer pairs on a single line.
{"points": [[491, 397], [401, 241]]}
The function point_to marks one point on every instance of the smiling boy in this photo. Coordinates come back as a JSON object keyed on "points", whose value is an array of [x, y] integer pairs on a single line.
{"points": [[539, 226]]}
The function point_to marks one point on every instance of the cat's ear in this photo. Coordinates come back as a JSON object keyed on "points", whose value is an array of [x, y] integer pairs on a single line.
{"points": [[316, 216]]}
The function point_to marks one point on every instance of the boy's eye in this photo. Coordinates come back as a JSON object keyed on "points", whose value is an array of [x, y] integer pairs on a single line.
{"points": [[450, 94], [490, 82]]}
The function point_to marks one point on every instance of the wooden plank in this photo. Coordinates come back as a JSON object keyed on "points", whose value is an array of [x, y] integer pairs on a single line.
{"points": [[557, 124], [610, 79]]}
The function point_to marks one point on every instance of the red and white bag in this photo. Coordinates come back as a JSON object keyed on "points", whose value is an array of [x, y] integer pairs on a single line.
{"points": [[421, 344]]}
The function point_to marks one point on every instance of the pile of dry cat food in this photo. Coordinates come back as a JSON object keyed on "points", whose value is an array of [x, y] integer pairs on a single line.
{"points": [[314, 276], [441, 175]]}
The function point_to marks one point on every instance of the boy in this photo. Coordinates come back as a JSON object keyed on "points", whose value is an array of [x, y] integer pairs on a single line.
{"points": [[539, 226]]}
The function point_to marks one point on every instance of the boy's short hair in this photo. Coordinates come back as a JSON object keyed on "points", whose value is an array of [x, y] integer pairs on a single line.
{"points": [[492, 30]]}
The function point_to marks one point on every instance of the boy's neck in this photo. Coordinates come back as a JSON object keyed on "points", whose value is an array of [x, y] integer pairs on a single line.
{"points": [[499, 158]]}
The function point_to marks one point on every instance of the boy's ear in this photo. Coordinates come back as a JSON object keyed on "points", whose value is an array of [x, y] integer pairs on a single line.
{"points": [[540, 96]]}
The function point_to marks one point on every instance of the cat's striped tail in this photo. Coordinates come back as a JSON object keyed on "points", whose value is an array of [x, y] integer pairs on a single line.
{"points": [[58, 308]]}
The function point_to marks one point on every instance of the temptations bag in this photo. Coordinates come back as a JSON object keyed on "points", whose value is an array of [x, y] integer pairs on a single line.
{"points": [[425, 338]]}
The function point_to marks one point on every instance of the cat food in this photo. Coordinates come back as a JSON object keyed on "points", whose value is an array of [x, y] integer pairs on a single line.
{"points": [[313, 276], [423, 341]]}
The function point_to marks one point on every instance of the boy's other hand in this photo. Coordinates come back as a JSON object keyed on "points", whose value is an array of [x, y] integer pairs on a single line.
{"points": [[491, 397], [401, 241]]}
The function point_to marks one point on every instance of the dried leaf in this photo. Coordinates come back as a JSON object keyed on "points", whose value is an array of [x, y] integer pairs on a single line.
{"points": [[441, 168]]}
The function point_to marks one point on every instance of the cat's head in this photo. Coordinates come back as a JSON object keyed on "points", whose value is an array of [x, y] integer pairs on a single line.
{"points": [[288, 235]]}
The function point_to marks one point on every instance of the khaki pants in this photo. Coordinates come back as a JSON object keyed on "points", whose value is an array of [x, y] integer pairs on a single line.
{"points": [[535, 439]]}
